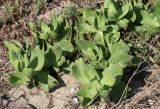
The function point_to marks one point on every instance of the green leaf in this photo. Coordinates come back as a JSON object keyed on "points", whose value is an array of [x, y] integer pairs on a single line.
{"points": [[46, 81], [36, 37], [112, 38], [85, 28], [112, 75], [61, 61], [61, 22], [123, 23], [16, 47], [148, 29], [26, 60], [111, 8], [124, 10], [121, 58], [85, 45], [53, 35], [156, 9], [44, 35], [54, 20], [104, 93], [99, 38], [29, 72], [37, 59], [57, 51], [90, 50], [90, 16], [120, 46], [66, 45], [44, 27], [18, 78], [14, 59], [87, 94], [84, 73], [101, 22], [149, 19], [50, 58], [133, 16]]}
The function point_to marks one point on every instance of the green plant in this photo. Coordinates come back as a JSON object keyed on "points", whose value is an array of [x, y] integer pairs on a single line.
{"points": [[100, 42], [28, 66], [106, 54], [56, 36], [93, 50]]}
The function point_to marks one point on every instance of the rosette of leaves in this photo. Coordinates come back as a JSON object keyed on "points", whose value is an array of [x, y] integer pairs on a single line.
{"points": [[54, 40], [55, 31], [134, 15], [98, 84], [106, 53], [102, 75], [28, 65], [34, 65]]}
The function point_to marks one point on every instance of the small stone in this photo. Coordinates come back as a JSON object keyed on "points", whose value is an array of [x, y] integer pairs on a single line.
{"points": [[75, 101]]}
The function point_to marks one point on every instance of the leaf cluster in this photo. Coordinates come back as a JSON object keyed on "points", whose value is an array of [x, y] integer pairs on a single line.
{"points": [[93, 50]]}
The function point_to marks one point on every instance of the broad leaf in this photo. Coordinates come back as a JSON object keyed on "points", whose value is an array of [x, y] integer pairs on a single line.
{"points": [[66, 45], [14, 59], [112, 75], [18, 78], [111, 8], [44, 35], [16, 47], [124, 10], [120, 46], [101, 21], [29, 72], [121, 58], [37, 59], [156, 9], [84, 73], [123, 23], [26, 60], [46, 81], [53, 35], [83, 27], [104, 93], [44, 27], [57, 51], [50, 58], [149, 19], [85, 45], [87, 94], [90, 16]]}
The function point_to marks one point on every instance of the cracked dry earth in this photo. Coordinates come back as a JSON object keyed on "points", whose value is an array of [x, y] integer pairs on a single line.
{"points": [[60, 98]]}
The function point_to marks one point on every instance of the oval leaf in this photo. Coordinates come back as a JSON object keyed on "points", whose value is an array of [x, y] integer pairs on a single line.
{"points": [[37, 59]]}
